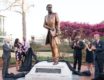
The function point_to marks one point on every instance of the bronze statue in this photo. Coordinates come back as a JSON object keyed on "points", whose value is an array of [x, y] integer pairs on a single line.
{"points": [[51, 23]]}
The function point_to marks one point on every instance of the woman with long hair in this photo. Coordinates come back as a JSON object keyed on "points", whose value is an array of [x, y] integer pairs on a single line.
{"points": [[89, 56], [18, 51]]}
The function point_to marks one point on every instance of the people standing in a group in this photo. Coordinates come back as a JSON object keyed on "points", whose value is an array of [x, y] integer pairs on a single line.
{"points": [[98, 47], [77, 45], [51, 23], [18, 52], [6, 57], [89, 56]]}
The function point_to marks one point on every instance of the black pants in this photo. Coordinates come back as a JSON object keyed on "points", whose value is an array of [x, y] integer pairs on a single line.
{"points": [[77, 60], [99, 66], [5, 66]]}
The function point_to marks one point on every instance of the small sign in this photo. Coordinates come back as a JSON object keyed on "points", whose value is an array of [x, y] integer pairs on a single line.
{"points": [[47, 70]]}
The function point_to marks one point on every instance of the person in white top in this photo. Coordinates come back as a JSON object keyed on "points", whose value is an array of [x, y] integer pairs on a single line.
{"points": [[26, 45]]}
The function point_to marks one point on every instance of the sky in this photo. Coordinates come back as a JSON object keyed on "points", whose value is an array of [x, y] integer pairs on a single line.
{"points": [[87, 11]]}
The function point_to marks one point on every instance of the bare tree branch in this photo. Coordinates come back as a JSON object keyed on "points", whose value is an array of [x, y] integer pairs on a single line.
{"points": [[16, 5], [18, 12], [11, 5]]}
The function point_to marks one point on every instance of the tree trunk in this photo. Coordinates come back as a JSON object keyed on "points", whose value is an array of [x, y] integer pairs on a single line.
{"points": [[23, 20]]}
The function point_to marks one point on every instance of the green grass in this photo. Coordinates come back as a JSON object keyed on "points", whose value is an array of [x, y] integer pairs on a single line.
{"points": [[102, 38], [0, 47], [13, 61], [65, 48], [46, 58], [62, 48]]}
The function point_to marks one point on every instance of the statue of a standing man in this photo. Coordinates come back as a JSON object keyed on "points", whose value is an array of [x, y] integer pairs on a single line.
{"points": [[51, 23]]}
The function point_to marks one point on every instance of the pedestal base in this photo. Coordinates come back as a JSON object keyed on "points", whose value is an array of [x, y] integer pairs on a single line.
{"points": [[47, 71]]}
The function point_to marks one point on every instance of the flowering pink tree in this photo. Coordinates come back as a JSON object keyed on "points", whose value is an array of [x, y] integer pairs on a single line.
{"points": [[71, 29]]}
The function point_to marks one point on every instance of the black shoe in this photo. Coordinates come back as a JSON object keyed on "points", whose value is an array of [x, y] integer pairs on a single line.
{"points": [[75, 73], [78, 71], [11, 75], [36, 61]]}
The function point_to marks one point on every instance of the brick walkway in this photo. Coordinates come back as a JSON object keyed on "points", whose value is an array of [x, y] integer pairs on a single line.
{"points": [[75, 77]]}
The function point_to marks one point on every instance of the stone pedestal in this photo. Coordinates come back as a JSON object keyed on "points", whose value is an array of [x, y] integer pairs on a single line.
{"points": [[47, 71]]}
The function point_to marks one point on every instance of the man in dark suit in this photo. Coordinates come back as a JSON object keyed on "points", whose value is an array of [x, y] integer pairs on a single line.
{"points": [[98, 47], [6, 57], [77, 45]]}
